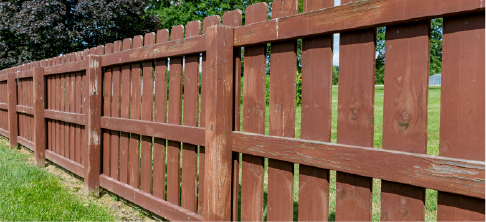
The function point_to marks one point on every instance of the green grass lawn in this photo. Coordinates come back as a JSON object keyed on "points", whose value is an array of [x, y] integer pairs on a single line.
{"points": [[432, 149], [28, 193]]}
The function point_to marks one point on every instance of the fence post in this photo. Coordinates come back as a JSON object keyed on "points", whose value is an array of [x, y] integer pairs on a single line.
{"points": [[92, 167], [219, 122], [12, 109], [39, 121]]}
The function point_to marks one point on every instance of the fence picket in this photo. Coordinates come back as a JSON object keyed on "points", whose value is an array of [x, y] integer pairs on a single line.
{"points": [[254, 105], [160, 113], [461, 128], [115, 112], [316, 117], [282, 117], [147, 105], [405, 113], [191, 110], [134, 153]]}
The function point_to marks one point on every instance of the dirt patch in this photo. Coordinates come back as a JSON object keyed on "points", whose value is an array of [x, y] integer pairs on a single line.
{"points": [[121, 209]]}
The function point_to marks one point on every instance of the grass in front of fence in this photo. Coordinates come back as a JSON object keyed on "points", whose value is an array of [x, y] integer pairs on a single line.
{"points": [[28, 193], [432, 149]]}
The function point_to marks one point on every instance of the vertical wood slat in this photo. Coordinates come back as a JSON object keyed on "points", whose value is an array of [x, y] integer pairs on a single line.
{"points": [[254, 106], [160, 105], [78, 102], [316, 117], [107, 99], [355, 118], [219, 119], [191, 110], [125, 113], [147, 106], [49, 106], [175, 117], [234, 19], [39, 122], [282, 117], [208, 21], [62, 124], [72, 127], [462, 107], [67, 83], [92, 160], [115, 112], [12, 114], [134, 154], [405, 113], [57, 96]]}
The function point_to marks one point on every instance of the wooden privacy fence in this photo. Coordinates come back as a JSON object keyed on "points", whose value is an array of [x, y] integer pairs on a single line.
{"points": [[103, 113]]}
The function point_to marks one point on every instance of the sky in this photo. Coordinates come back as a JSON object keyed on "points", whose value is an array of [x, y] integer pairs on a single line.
{"points": [[335, 56]]}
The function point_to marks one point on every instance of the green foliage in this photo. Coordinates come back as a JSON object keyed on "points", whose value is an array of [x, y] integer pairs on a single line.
{"points": [[180, 12], [35, 30]]}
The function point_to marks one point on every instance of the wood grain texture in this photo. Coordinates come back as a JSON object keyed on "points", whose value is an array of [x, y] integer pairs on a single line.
{"points": [[208, 21], [106, 111], [75, 118], [190, 118], [157, 205], [68, 164], [219, 118], [160, 113], [355, 118], [134, 153], [462, 107], [405, 112], [415, 169], [316, 117], [351, 16], [12, 116], [115, 112], [39, 121], [176, 47], [254, 106], [175, 117], [125, 112], [234, 19], [147, 105], [282, 96], [93, 127]]}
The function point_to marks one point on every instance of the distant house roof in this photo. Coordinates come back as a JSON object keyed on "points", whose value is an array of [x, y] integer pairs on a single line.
{"points": [[436, 75]]}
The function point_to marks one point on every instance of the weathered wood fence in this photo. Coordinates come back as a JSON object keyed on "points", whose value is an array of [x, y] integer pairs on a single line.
{"points": [[102, 113]]}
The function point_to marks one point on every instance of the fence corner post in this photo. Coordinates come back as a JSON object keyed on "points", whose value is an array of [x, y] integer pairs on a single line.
{"points": [[219, 123], [39, 121], [92, 163], [12, 109]]}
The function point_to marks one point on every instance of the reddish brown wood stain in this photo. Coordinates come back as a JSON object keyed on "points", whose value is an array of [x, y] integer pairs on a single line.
{"points": [[316, 117], [462, 107], [254, 105], [355, 118], [405, 112], [69, 101], [175, 117], [191, 109], [282, 117], [160, 105]]}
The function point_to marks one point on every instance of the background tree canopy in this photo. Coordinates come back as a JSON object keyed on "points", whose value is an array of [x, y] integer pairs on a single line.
{"points": [[39, 29], [34, 30]]}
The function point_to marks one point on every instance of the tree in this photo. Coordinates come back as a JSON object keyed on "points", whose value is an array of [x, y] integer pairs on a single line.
{"points": [[39, 29]]}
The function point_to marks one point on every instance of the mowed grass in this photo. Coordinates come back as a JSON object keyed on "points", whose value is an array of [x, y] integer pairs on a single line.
{"points": [[432, 149], [28, 193]]}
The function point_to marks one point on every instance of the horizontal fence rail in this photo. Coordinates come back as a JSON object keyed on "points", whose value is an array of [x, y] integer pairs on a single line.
{"points": [[166, 135]]}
